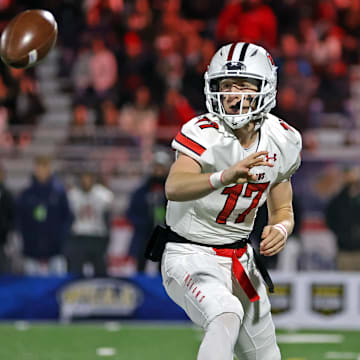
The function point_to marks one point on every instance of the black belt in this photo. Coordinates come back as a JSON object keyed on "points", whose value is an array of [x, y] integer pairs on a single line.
{"points": [[176, 238]]}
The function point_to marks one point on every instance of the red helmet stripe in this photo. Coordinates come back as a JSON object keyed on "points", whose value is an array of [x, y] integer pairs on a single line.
{"points": [[231, 52]]}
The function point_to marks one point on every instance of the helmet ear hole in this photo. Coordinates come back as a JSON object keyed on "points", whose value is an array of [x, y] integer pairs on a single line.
{"points": [[214, 85], [215, 104]]}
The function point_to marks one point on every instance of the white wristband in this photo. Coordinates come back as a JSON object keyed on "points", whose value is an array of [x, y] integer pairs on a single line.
{"points": [[282, 229], [215, 180]]}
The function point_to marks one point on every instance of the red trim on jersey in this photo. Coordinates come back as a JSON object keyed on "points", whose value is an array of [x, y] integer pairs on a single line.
{"points": [[190, 144], [239, 271], [231, 51], [210, 124], [203, 119]]}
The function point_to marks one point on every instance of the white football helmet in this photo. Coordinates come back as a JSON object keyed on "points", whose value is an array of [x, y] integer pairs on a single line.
{"points": [[246, 61]]}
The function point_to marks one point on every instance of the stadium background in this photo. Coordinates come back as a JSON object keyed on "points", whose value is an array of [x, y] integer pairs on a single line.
{"points": [[122, 79]]}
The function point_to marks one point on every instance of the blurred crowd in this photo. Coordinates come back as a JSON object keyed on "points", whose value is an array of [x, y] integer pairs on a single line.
{"points": [[53, 228], [145, 59]]}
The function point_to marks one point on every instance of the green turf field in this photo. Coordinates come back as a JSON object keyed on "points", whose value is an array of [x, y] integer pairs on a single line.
{"points": [[148, 342]]}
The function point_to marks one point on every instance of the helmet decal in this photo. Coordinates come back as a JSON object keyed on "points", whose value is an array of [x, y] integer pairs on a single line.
{"points": [[235, 65]]}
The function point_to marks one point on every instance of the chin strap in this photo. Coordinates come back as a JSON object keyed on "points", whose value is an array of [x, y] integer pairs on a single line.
{"points": [[259, 121]]}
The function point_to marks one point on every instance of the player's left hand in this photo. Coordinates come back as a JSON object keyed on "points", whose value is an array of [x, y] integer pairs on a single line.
{"points": [[273, 241]]}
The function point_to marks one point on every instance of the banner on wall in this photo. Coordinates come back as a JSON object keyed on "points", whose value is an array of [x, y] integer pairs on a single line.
{"points": [[328, 300], [99, 298]]}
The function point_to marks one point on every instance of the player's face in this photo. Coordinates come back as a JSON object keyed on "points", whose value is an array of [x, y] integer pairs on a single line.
{"points": [[232, 102], [42, 172], [87, 181]]}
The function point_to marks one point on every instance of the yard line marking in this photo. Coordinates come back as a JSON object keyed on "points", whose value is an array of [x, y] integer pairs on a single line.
{"points": [[105, 351], [112, 326], [21, 325], [341, 355], [309, 338]]}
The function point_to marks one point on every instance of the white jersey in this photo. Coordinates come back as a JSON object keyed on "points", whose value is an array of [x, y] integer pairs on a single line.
{"points": [[227, 214], [89, 209]]}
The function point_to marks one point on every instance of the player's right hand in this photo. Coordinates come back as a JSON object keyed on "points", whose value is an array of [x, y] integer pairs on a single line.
{"points": [[240, 172]]}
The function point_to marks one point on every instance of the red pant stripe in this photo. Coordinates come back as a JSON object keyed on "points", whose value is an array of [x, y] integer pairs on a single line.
{"points": [[239, 271]]}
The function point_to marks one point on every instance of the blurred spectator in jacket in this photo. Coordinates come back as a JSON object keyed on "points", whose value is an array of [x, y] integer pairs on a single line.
{"points": [[103, 70], [28, 108], [147, 207], [342, 217], [194, 75], [140, 18], [80, 75], [175, 111], [8, 92], [136, 66], [91, 204], [349, 19], [43, 218], [288, 108], [82, 127], [6, 220], [298, 84], [334, 88], [248, 21], [29, 105], [139, 118]]}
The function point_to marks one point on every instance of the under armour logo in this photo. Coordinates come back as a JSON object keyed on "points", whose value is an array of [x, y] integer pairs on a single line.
{"points": [[260, 176], [271, 157]]}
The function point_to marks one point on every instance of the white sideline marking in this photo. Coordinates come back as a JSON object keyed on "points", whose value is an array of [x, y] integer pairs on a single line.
{"points": [[112, 326], [105, 351], [342, 355], [21, 325], [309, 338]]}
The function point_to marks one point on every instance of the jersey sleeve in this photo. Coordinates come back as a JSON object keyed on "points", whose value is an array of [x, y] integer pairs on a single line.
{"points": [[286, 175], [292, 152], [191, 141]]}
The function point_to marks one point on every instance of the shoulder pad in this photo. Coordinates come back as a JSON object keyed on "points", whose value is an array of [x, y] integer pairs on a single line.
{"points": [[281, 130], [196, 136], [288, 139]]}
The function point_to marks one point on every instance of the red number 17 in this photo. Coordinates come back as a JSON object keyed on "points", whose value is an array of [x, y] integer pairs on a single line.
{"points": [[233, 193]]}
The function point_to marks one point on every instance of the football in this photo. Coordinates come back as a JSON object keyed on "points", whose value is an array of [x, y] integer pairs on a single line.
{"points": [[28, 38]]}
